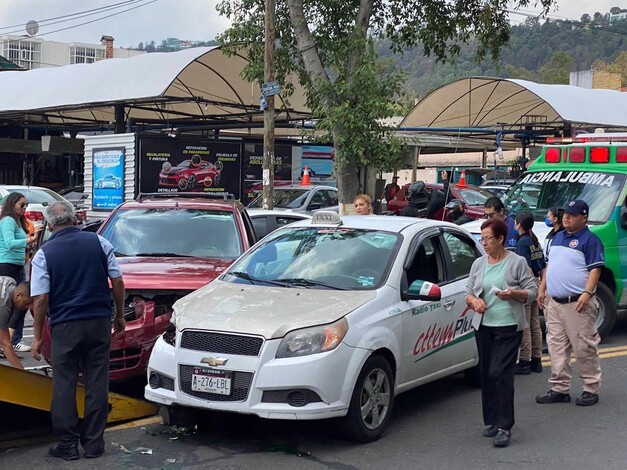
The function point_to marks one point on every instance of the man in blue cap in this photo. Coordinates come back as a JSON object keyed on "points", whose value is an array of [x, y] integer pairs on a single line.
{"points": [[571, 279]]}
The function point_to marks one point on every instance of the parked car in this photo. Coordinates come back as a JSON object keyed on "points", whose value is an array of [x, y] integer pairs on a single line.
{"points": [[108, 181], [326, 318], [267, 221], [473, 196], [38, 199], [302, 198], [190, 173], [167, 247], [75, 194]]}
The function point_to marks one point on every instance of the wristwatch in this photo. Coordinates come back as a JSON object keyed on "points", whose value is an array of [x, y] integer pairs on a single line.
{"points": [[591, 294]]}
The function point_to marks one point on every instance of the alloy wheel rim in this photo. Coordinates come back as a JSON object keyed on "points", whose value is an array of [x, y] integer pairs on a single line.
{"points": [[375, 399]]}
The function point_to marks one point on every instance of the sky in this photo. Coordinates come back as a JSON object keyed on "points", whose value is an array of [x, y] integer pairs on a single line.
{"points": [[145, 20]]}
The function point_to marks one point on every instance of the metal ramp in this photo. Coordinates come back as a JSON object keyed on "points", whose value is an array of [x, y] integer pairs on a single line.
{"points": [[33, 390]]}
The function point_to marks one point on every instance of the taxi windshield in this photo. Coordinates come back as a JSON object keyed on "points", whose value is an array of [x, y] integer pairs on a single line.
{"points": [[537, 192], [319, 258]]}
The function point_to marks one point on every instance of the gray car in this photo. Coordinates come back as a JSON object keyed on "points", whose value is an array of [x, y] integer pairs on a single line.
{"points": [[306, 199]]}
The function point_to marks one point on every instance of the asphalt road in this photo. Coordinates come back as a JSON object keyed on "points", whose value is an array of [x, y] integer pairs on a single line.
{"points": [[437, 426]]}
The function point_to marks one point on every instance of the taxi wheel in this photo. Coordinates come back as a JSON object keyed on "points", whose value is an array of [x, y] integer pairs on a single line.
{"points": [[372, 401]]}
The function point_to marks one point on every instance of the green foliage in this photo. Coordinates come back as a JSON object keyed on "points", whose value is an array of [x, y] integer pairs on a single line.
{"points": [[329, 45], [530, 47]]}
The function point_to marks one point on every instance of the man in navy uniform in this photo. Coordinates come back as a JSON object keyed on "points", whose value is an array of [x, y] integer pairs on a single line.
{"points": [[572, 275], [70, 283]]}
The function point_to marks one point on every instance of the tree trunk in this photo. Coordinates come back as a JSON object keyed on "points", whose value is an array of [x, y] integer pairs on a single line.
{"points": [[347, 177]]}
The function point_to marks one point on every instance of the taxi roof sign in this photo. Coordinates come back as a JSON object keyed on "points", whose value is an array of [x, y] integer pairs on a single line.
{"points": [[326, 218]]}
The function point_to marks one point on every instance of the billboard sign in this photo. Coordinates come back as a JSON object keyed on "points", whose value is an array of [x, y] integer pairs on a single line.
{"points": [[108, 178]]}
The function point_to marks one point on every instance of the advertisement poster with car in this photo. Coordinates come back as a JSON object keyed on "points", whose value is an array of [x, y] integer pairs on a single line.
{"points": [[319, 160], [108, 171], [252, 182], [183, 165]]}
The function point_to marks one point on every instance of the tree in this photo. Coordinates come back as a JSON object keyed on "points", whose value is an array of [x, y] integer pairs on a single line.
{"points": [[140, 46], [619, 65], [329, 44], [615, 10], [557, 69], [585, 18]]}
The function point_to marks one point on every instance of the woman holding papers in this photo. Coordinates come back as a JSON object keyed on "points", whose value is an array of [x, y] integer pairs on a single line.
{"points": [[499, 285]]}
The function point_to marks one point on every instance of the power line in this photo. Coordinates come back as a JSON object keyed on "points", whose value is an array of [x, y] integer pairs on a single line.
{"points": [[95, 20], [97, 10]]}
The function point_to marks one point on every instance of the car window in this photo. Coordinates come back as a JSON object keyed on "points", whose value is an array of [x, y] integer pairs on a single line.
{"points": [[319, 257], [474, 197], [318, 199], [463, 254], [173, 232], [427, 262], [281, 221], [38, 196], [261, 226]]}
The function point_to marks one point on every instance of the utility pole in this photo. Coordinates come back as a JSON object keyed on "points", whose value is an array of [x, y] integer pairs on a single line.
{"points": [[268, 117]]}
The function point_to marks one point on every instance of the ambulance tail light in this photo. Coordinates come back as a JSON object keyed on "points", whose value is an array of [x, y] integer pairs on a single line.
{"points": [[553, 155], [621, 155], [577, 155], [600, 155]]}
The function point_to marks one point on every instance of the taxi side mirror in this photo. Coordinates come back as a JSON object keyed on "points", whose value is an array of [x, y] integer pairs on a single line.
{"points": [[623, 216], [423, 290]]}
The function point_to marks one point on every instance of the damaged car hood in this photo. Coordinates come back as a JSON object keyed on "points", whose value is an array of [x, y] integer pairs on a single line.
{"points": [[170, 273], [263, 310]]}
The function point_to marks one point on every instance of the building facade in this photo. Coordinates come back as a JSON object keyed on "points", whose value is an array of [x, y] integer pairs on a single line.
{"points": [[33, 53]]}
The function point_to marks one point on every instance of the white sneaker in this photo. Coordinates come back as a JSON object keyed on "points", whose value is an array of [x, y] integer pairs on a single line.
{"points": [[21, 347]]}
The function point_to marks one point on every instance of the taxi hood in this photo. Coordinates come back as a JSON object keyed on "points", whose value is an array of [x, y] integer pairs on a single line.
{"points": [[166, 273], [263, 310]]}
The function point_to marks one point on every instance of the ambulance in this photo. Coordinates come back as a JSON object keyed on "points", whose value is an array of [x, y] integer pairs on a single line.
{"points": [[591, 167]]}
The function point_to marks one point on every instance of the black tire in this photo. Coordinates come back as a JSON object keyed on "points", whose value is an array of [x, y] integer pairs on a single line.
{"points": [[375, 382], [607, 310]]}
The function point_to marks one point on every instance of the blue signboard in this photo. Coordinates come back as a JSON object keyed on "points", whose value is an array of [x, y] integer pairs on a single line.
{"points": [[108, 186]]}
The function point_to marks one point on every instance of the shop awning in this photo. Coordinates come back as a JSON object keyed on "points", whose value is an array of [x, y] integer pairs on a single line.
{"points": [[197, 85]]}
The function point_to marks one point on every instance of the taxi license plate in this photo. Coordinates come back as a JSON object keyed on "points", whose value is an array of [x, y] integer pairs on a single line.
{"points": [[211, 381]]}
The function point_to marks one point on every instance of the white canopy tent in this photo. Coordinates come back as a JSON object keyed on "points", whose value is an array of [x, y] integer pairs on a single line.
{"points": [[194, 85], [511, 105]]}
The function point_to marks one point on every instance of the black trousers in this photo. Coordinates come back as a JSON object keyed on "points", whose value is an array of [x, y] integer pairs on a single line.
{"points": [[498, 349], [81, 345]]}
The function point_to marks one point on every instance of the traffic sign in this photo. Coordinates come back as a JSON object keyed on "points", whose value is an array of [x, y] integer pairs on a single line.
{"points": [[270, 88]]}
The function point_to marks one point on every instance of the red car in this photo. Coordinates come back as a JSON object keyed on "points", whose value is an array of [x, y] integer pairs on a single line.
{"points": [[167, 247], [473, 196], [191, 174]]}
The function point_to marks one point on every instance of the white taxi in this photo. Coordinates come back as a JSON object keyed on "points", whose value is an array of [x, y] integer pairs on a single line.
{"points": [[325, 318]]}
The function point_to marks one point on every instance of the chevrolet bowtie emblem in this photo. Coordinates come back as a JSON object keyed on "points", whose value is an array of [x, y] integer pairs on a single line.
{"points": [[214, 361]]}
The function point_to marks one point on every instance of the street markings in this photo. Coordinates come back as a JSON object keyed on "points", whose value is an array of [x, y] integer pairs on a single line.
{"points": [[604, 353]]}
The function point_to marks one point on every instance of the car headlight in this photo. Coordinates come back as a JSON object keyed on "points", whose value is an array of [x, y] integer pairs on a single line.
{"points": [[313, 340], [169, 336]]}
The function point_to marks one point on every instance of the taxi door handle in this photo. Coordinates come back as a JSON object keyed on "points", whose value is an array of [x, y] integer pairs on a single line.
{"points": [[449, 303]]}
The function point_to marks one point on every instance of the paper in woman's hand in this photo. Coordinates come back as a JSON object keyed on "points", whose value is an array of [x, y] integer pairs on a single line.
{"points": [[495, 290]]}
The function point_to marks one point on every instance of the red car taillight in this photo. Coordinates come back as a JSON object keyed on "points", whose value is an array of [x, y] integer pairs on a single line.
{"points": [[34, 215], [81, 215]]}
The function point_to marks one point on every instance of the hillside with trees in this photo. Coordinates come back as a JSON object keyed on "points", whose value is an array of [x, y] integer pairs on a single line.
{"points": [[541, 51]]}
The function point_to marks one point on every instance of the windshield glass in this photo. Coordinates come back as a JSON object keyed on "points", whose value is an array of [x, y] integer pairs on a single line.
{"points": [[38, 195], [319, 257], [288, 198], [474, 197], [538, 192], [173, 232]]}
